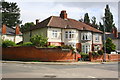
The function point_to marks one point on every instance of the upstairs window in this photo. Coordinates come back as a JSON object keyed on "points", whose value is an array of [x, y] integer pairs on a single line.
{"points": [[54, 34], [85, 36], [96, 37], [69, 34]]}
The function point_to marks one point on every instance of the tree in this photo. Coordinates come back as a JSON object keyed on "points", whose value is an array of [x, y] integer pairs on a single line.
{"points": [[94, 24], [108, 20], [26, 26], [101, 27], [10, 14], [86, 18], [109, 45], [39, 40]]}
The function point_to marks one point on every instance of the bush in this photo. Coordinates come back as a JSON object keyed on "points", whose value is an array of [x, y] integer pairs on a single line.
{"points": [[39, 40], [68, 47], [8, 43], [100, 52], [95, 54], [27, 44], [109, 45], [51, 46], [84, 56]]}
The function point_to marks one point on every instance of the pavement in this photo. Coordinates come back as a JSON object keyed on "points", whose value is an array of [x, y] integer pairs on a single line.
{"points": [[58, 63]]}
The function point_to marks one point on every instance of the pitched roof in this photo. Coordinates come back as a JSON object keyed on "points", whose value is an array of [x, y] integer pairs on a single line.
{"points": [[54, 21]]}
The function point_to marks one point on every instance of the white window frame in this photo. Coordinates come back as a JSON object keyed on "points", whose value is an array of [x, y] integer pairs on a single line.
{"points": [[86, 48], [69, 34], [85, 36], [97, 37], [54, 33]]}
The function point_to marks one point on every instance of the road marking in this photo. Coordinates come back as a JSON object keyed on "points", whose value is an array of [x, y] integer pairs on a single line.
{"points": [[91, 76]]}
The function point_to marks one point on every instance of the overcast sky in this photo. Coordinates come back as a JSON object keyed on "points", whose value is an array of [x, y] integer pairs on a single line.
{"points": [[39, 9]]}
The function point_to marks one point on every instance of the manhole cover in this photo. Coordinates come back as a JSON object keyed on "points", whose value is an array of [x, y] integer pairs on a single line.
{"points": [[50, 76]]}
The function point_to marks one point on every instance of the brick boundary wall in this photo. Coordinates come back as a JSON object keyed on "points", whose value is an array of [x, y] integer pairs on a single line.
{"points": [[38, 54], [109, 57]]}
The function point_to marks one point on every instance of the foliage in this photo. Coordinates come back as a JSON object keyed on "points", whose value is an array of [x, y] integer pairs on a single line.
{"points": [[84, 56], [108, 19], [109, 45], [39, 40], [51, 46], [26, 26], [95, 54], [10, 14], [86, 18], [100, 52], [94, 24], [8, 43], [101, 27], [27, 44], [67, 47]]}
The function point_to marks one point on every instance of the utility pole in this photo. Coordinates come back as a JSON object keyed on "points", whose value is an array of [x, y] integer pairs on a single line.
{"points": [[104, 41]]}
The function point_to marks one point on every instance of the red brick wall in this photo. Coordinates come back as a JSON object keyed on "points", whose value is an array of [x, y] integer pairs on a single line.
{"points": [[109, 57], [40, 54]]}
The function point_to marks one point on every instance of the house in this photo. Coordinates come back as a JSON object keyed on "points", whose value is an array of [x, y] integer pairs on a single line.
{"points": [[12, 34], [63, 30], [115, 36]]}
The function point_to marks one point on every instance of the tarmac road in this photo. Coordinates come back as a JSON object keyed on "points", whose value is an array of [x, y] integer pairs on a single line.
{"points": [[22, 70]]}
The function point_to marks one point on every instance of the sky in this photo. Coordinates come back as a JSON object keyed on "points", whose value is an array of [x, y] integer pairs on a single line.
{"points": [[39, 9]]}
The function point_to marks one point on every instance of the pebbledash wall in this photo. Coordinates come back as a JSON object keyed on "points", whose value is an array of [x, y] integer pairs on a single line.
{"points": [[109, 57], [39, 54]]}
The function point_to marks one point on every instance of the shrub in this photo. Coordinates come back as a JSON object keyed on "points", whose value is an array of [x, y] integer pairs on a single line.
{"points": [[39, 40], [8, 43], [27, 44], [109, 45], [100, 52], [95, 54], [51, 46], [68, 47], [84, 56]]}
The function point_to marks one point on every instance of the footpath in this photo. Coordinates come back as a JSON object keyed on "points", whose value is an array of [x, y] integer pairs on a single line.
{"points": [[57, 63]]}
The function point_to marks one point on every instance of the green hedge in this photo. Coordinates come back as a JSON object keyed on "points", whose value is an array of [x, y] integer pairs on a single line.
{"points": [[8, 43]]}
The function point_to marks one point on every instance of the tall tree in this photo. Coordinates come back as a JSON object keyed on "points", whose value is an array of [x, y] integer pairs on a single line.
{"points": [[101, 27], [86, 18], [26, 26], [10, 14], [108, 20], [94, 24]]}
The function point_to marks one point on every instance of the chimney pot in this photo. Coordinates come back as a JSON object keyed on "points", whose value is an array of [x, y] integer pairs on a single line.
{"points": [[63, 14], [37, 21], [4, 29], [17, 30]]}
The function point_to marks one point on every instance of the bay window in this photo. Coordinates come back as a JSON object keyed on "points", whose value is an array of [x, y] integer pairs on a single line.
{"points": [[85, 36], [86, 48], [69, 34]]}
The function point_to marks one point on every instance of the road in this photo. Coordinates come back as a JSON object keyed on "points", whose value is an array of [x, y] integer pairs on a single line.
{"points": [[17, 70]]}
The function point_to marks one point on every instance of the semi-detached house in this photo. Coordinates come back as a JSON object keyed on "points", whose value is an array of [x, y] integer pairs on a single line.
{"points": [[63, 30]]}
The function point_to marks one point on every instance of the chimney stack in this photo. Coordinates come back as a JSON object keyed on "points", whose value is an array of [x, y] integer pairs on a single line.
{"points": [[37, 21], [17, 30], [4, 29], [63, 14], [115, 32]]}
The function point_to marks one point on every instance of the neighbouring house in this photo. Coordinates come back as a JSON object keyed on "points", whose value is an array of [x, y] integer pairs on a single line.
{"points": [[12, 34], [115, 36], [63, 30]]}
